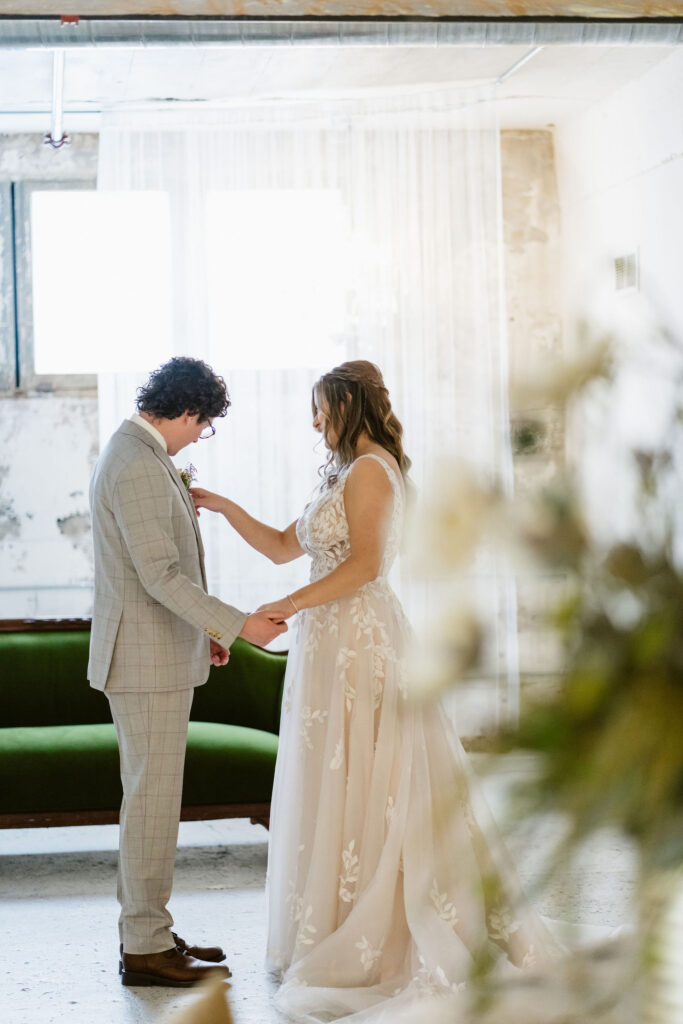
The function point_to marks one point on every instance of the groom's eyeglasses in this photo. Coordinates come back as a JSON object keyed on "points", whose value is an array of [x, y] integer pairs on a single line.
{"points": [[207, 432]]}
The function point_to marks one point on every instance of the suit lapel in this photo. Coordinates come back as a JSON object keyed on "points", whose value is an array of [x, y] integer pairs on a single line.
{"points": [[127, 427], [175, 477]]}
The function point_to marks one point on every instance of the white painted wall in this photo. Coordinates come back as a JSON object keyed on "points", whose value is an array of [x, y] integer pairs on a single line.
{"points": [[620, 175]]}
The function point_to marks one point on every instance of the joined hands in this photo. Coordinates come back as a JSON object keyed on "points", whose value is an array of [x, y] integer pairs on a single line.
{"points": [[263, 626], [280, 610]]}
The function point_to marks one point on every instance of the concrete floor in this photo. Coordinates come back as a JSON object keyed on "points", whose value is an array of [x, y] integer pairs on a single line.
{"points": [[58, 911]]}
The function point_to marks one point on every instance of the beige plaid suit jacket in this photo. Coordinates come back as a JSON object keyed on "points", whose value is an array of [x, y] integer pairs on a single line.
{"points": [[152, 617]]}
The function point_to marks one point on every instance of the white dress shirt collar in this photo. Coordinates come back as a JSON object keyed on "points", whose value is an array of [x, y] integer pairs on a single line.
{"points": [[146, 425]]}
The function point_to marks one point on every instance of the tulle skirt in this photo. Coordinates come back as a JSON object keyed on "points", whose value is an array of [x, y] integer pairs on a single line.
{"points": [[387, 879]]}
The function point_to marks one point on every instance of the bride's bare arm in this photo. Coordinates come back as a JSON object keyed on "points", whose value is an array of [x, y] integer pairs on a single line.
{"points": [[368, 501], [277, 545]]}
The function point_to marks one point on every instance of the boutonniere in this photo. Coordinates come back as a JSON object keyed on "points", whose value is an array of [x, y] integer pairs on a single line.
{"points": [[188, 475]]}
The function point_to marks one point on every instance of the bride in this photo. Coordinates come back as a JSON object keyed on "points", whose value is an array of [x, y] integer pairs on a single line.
{"points": [[386, 880]]}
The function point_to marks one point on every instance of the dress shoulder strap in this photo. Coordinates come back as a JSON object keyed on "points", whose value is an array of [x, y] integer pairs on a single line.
{"points": [[390, 472]]}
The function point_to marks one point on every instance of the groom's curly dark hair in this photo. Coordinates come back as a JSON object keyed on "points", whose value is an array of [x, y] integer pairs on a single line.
{"points": [[184, 385]]}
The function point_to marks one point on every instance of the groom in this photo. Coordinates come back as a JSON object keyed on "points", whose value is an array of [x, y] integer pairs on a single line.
{"points": [[155, 631]]}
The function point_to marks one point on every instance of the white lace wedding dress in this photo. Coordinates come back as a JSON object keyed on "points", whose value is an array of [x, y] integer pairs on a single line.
{"points": [[385, 874]]}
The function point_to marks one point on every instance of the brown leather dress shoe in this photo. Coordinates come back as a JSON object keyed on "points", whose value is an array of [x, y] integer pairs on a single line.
{"points": [[172, 968], [212, 954]]}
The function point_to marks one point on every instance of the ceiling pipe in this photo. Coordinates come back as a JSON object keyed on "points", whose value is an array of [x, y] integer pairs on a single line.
{"points": [[56, 137], [518, 64], [74, 33]]}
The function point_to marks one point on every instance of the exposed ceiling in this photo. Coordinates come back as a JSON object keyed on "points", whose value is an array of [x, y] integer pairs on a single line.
{"points": [[354, 8], [556, 83]]}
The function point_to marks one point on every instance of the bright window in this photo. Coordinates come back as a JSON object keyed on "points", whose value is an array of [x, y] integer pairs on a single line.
{"points": [[278, 273], [101, 275]]}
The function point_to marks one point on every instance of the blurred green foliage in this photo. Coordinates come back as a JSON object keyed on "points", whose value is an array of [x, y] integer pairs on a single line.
{"points": [[610, 740]]}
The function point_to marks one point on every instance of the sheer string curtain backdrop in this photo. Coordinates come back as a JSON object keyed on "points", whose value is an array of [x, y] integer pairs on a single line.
{"points": [[308, 232]]}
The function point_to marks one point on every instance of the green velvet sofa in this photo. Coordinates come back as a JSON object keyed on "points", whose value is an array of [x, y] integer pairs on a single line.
{"points": [[59, 761]]}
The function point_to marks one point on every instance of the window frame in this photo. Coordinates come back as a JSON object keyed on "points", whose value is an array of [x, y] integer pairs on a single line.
{"points": [[8, 332], [26, 379]]}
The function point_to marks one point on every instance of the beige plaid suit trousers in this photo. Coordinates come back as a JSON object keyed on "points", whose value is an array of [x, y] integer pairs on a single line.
{"points": [[152, 734]]}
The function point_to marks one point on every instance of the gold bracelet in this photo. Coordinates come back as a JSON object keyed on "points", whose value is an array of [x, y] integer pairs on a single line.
{"points": [[293, 605]]}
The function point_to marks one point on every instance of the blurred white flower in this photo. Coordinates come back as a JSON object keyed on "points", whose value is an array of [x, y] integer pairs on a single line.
{"points": [[448, 650], [210, 1005], [556, 382], [544, 530], [454, 518]]}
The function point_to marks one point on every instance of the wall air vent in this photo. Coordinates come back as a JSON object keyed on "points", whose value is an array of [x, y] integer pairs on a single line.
{"points": [[626, 272]]}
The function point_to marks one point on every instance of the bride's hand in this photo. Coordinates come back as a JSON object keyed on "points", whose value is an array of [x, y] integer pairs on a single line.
{"points": [[205, 499], [284, 608]]}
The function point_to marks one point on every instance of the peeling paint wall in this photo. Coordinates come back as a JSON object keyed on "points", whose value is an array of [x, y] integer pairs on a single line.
{"points": [[533, 281], [24, 156], [48, 452], [48, 442], [533, 293]]}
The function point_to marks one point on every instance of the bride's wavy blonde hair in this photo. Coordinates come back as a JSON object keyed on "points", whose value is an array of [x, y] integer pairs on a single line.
{"points": [[357, 402]]}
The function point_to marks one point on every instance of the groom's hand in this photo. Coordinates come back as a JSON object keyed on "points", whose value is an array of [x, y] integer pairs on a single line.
{"points": [[219, 655], [262, 627]]}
